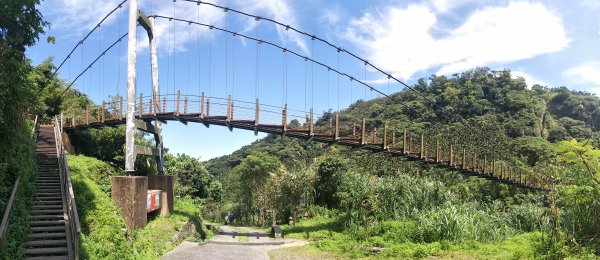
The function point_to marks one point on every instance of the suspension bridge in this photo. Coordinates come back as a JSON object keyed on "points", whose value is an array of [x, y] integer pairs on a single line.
{"points": [[206, 103]]}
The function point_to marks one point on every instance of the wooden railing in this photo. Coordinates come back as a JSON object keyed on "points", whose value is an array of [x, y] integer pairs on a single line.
{"points": [[74, 227], [11, 199]]}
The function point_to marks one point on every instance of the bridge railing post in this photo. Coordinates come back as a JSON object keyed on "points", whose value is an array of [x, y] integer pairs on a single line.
{"points": [[451, 161], [103, 111], [474, 162], [256, 117], [164, 105], [120, 107], [437, 150], [484, 164], [422, 148], [87, 115], [202, 105], [311, 126], [464, 159], [404, 143], [284, 118], [385, 129], [228, 109], [141, 106], [337, 127], [177, 103], [363, 132], [185, 104]]}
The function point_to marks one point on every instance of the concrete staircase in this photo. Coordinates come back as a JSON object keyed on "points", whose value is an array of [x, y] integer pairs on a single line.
{"points": [[48, 235]]}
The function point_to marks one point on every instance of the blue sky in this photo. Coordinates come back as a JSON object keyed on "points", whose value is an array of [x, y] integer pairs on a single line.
{"points": [[553, 43]]}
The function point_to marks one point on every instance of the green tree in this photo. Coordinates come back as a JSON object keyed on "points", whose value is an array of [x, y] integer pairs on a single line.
{"points": [[329, 177]]}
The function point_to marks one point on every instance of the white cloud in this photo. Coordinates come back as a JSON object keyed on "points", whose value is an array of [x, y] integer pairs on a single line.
{"points": [[585, 73], [330, 16], [529, 79], [174, 36], [398, 40], [444, 6], [78, 16], [278, 10]]}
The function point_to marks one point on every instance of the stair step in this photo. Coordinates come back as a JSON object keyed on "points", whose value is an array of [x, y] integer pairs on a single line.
{"points": [[47, 235], [47, 202], [45, 250], [42, 194], [52, 242], [47, 222], [47, 217], [47, 207], [47, 211], [56, 257], [49, 228]]}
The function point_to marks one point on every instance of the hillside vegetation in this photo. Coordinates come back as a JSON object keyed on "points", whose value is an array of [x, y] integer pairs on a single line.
{"points": [[366, 195]]}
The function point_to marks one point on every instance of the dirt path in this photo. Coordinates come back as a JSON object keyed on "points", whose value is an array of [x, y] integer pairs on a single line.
{"points": [[232, 243]]}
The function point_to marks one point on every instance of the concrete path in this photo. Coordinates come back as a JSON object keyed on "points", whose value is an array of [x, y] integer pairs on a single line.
{"points": [[227, 245]]}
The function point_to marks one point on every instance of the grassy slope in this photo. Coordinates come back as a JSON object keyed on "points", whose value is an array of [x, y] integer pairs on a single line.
{"points": [[104, 233], [327, 239]]}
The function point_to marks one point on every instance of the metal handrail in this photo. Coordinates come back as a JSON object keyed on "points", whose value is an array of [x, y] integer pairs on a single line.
{"points": [[74, 225], [8, 209]]}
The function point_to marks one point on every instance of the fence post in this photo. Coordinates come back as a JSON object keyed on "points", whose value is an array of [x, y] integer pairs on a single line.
{"points": [[228, 109], [363, 139], [103, 109], [87, 115], [337, 127], [464, 159], [141, 106], [311, 127], [177, 104], [202, 105], [256, 117], [384, 144], [451, 161], [284, 118], [404, 144], [422, 148]]}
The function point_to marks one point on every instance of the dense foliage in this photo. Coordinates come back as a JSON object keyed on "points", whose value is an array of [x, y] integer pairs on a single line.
{"points": [[479, 109]]}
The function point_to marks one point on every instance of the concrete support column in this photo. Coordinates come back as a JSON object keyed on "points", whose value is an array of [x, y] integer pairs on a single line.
{"points": [[129, 193]]}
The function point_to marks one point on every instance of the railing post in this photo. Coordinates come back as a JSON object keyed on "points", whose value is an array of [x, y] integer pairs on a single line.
{"points": [[207, 107], [228, 109], [474, 162], [363, 139], [74, 123], [256, 117], [437, 150], [164, 105], [393, 138], [337, 127], [311, 126], [103, 111], [120, 107], [384, 144], [404, 144], [177, 104], [185, 103], [87, 115], [451, 161], [354, 130], [284, 118], [202, 105], [422, 148], [484, 163], [464, 159], [141, 106]]}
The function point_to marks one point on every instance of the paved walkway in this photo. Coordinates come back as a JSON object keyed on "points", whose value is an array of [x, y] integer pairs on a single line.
{"points": [[254, 244]]}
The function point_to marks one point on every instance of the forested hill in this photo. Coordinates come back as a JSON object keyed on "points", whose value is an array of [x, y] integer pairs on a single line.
{"points": [[474, 105]]}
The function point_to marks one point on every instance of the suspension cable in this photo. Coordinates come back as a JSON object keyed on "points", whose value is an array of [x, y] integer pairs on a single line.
{"points": [[91, 64], [187, 90], [257, 78], [199, 56], [460, 118], [174, 54], [85, 38], [226, 54]]}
